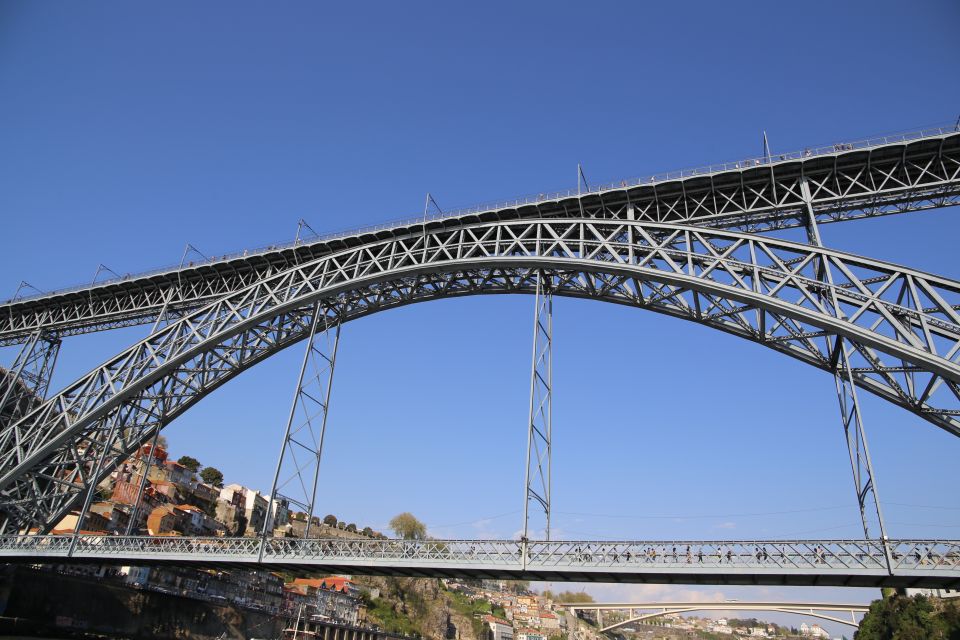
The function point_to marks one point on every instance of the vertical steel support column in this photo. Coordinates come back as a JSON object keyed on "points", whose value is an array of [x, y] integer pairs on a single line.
{"points": [[540, 424], [850, 414], [308, 414]]}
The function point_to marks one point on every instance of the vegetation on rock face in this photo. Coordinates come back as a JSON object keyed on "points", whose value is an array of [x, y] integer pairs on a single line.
{"points": [[408, 527], [911, 618], [330, 520], [382, 612], [571, 597]]}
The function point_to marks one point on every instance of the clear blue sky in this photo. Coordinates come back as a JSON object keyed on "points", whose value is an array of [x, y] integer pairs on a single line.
{"points": [[127, 131]]}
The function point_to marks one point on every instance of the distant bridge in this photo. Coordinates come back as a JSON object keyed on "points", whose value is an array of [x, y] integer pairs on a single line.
{"points": [[855, 563], [643, 611]]}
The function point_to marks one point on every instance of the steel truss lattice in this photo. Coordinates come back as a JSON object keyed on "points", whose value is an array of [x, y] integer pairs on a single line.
{"points": [[24, 386], [901, 327], [298, 469], [861, 563], [875, 181], [537, 475], [851, 416]]}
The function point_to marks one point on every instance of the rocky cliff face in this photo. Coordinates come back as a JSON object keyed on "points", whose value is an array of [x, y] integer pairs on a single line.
{"points": [[424, 603]]}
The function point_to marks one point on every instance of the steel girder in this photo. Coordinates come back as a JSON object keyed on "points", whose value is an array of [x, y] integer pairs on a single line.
{"points": [[860, 563], [846, 185], [900, 327]]}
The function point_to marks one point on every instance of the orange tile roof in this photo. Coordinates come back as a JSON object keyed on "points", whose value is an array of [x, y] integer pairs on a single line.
{"points": [[83, 532], [337, 583]]}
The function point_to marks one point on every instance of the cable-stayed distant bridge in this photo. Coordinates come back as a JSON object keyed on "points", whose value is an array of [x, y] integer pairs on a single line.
{"points": [[688, 245]]}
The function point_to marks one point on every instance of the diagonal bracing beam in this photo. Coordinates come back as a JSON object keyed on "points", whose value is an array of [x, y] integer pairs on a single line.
{"points": [[540, 423], [298, 468], [851, 417], [24, 385]]}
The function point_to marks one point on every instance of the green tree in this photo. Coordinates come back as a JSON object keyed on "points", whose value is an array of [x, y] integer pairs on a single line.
{"points": [[190, 463], [571, 597], [330, 520], [367, 531], [406, 526], [910, 618], [352, 528], [212, 475]]}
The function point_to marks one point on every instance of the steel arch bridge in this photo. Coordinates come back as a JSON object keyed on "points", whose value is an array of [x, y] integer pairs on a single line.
{"points": [[685, 245], [643, 611]]}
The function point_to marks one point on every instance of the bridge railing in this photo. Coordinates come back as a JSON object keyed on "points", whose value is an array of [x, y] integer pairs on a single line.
{"points": [[532, 198], [715, 556]]}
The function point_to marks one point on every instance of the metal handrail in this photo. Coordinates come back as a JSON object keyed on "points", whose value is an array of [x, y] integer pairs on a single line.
{"points": [[544, 196], [822, 555]]}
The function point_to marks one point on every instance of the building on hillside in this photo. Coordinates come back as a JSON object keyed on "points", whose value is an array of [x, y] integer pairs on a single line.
{"points": [[204, 496], [229, 509], [499, 629], [93, 523], [259, 590], [299, 600], [255, 511], [813, 631], [117, 516], [549, 621], [280, 515], [163, 520], [529, 634], [168, 491], [253, 504], [337, 598], [195, 522]]}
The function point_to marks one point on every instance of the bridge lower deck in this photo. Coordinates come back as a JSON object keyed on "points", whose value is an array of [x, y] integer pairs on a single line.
{"points": [[854, 563]]}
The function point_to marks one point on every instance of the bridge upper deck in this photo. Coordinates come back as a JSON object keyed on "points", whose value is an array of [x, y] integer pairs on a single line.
{"points": [[846, 181]]}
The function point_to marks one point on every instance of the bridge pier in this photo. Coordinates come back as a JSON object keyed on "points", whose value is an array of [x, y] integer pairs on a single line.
{"points": [[302, 447], [537, 478], [850, 414]]}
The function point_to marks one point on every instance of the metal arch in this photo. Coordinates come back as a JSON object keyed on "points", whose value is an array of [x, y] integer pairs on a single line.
{"points": [[660, 614], [900, 322], [883, 177]]}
